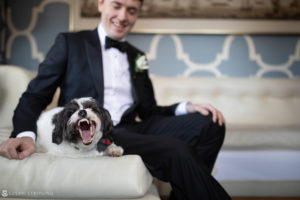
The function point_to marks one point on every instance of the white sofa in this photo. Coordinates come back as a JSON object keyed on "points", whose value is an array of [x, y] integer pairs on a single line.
{"points": [[261, 152]]}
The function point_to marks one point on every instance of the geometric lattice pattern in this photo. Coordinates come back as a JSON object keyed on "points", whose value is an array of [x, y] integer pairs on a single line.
{"points": [[244, 56], [213, 66]]}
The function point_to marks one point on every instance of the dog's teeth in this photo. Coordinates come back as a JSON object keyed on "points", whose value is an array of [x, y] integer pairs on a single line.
{"points": [[83, 120]]}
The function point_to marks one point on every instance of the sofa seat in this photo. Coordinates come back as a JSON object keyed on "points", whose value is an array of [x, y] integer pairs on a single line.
{"points": [[249, 137]]}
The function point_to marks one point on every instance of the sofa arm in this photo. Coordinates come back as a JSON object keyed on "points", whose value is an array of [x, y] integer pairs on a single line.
{"points": [[46, 176], [13, 82]]}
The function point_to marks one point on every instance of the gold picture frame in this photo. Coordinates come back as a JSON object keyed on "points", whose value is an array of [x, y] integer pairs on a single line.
{"points": [[184, 25]]}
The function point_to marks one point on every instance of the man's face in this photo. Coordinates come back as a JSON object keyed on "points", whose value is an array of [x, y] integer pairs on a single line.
{"points": [[118, 16]]}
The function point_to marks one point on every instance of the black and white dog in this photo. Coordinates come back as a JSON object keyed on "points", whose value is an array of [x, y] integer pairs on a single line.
{"points": [[76, 130]]}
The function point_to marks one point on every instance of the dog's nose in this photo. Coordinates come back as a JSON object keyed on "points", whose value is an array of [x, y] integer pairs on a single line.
{"points": [[82, 113]]}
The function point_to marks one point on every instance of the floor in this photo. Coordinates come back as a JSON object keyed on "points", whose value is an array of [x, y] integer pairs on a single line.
{"points": [[256, 198], [264, 198]]}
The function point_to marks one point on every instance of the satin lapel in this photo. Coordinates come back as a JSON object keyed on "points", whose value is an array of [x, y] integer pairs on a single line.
{"points": [[131, 59], [94, 55]]}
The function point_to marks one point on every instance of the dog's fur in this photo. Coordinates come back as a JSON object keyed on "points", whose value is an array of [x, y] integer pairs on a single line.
{"points": [[74, 130]]}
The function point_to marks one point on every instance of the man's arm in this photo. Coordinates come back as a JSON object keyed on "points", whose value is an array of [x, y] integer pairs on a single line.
{"points": [[38, 95], [41, 89], [149, 106]]}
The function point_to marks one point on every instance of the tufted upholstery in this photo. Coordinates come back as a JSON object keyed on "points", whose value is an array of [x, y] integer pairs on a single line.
{"points": [[258, 111], [244, 101]]}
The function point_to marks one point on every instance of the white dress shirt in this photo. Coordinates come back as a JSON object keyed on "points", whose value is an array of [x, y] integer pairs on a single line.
{"points": [[117, 84]]}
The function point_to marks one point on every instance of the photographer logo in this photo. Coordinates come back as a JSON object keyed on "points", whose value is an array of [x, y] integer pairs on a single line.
{"points": [[4, 193]]}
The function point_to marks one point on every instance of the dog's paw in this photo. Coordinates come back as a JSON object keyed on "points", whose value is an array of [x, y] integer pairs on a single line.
{"points": [[114, 150]]}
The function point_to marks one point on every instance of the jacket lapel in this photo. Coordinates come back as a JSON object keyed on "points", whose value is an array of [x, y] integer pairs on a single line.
{"points": [[131, 59], [94, 56]]}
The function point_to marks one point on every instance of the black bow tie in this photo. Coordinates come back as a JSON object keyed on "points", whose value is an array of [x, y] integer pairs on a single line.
{"points": [[110, 43]]}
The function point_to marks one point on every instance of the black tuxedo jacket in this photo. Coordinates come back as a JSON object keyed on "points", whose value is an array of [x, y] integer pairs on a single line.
{"points": [[74, 63]]}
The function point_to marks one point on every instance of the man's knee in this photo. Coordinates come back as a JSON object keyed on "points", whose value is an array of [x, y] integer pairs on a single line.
{"points": [[207, 123], [218, 131], [208, 130]]}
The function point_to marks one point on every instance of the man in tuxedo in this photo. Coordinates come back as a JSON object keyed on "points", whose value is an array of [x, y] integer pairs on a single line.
{"points": [[178, 143]]}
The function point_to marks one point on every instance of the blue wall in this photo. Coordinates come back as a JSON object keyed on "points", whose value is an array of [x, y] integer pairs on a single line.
{"points": [[34, 24]]}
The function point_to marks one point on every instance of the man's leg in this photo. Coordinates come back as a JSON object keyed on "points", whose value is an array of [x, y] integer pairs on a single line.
{"points": [[172, 160], [195, 129]]}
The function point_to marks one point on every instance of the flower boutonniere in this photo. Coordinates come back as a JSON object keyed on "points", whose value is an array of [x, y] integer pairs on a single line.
{"points": [[141, 63]]}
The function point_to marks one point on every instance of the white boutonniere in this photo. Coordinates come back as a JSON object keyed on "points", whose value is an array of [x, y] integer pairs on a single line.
{"points": [[141, 63]]}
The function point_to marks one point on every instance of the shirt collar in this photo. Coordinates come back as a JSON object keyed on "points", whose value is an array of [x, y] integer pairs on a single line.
{"points": [[102, 34]]}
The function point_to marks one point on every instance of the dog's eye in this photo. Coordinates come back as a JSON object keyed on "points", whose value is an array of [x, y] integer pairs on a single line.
{"points": [[88, 105], [95, 109], [70, 113], [91, 106]]}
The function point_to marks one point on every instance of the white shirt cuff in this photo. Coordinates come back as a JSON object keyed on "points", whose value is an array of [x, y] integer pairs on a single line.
{"points": [[181, 108], [27, 134]]}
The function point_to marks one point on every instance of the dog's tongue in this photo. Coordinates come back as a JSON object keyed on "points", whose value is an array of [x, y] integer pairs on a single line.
{"points": [[86, 135]]}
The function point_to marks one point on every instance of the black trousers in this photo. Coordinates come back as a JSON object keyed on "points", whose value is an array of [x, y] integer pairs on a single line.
{"points": [[181, 150]]}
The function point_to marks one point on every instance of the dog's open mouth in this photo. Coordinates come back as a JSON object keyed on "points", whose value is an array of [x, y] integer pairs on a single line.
{"points": [[86, 129]]}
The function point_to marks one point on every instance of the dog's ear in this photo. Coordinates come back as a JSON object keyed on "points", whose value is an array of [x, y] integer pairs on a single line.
{"points": [[107, 125], [57, 134]]}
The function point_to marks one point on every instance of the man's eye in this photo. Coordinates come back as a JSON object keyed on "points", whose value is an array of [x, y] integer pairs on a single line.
{"points": [[132, 11]]}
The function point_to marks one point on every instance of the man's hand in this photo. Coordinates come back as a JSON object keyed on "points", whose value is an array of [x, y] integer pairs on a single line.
{"points": [[17, 148], [205, 109]]}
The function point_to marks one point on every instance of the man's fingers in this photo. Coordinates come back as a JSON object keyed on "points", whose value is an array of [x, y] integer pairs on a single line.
{"points": [[12, 152], [5, 154], [210, 108], [9, 148], [199, 108], [202, 110], [223, 119], [25, 153], [205, 109], [26, 148]]}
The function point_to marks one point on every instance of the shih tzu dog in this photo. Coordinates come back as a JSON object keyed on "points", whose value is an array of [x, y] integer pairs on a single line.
{"points": [[81, 128]]}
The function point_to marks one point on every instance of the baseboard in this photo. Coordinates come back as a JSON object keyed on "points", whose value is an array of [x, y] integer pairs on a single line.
{"points": [[262, 188]]}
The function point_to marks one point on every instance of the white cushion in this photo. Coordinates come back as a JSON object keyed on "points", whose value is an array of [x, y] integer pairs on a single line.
{"points": [[100, 177]]}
